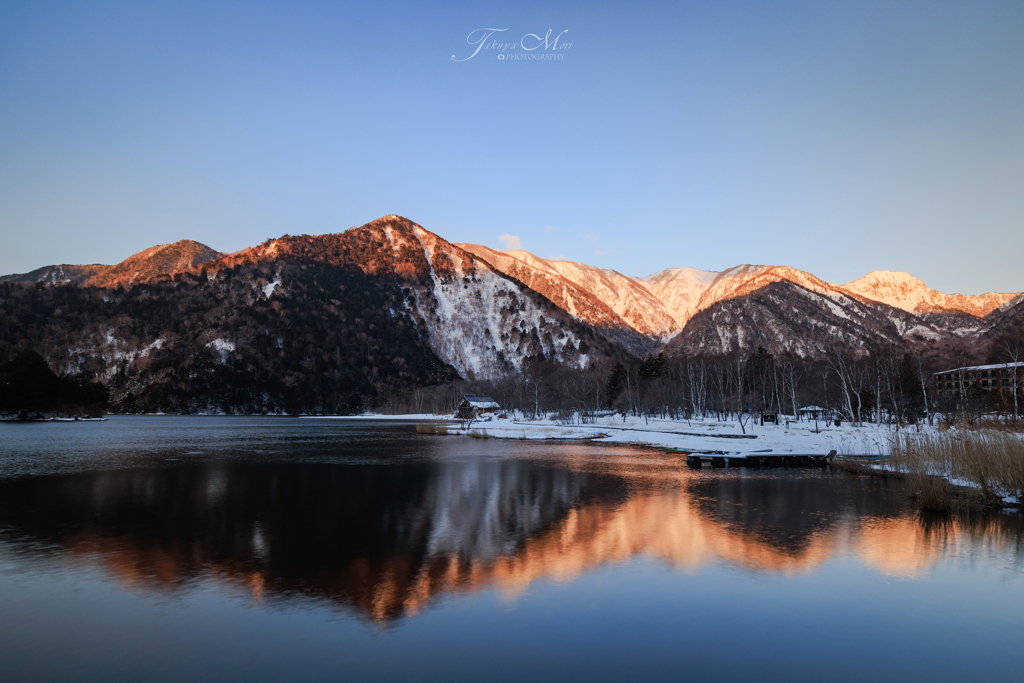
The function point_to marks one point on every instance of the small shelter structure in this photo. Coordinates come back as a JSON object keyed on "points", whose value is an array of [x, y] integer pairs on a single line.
{"points": [[811, 412], [473, 406]]}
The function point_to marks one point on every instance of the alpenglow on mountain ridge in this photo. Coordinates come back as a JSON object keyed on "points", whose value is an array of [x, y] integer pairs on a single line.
{"points": [[313, 322]]}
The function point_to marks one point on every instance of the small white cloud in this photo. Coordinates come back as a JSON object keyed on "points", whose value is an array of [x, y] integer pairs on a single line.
{"points": [[590, 238], [603, 252], [547, 228], [510, 242]]}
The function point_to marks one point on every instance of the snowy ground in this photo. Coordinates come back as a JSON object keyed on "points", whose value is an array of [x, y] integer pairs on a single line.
{"points": [[695, 436], [373, 417]]}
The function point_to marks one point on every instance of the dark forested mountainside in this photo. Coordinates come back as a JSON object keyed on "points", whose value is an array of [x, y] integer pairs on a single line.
{"points": [[339, 340], [29, 389], [482, 322], [325, 324], [1007, 320]]}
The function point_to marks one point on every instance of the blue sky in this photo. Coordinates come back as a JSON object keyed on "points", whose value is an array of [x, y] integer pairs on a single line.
{"points": [[838, 138]]}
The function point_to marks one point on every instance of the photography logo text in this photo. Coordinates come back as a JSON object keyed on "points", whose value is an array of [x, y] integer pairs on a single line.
{"points": [[498, 44]]}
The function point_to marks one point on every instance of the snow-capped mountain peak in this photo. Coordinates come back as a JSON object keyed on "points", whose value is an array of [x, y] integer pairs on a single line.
{"points": [[906, 292], [679, 289], [743, 279]]}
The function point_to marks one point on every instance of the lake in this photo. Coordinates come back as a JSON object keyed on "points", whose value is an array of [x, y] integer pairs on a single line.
{"points": [[210, 548]]}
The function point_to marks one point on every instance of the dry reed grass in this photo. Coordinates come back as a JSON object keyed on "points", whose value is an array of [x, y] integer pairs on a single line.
{"points": [[1000, 424], [990, 461], [851, 465], [432, 428]]}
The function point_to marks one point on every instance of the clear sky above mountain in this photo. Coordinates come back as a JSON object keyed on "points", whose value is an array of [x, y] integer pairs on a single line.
{"points": [[838, 138]]}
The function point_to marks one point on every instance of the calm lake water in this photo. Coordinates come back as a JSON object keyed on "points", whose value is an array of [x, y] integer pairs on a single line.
{"points": [[175, 549]]}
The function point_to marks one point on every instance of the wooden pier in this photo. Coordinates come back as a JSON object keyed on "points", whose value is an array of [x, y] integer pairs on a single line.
{"points": [[757, 460]]}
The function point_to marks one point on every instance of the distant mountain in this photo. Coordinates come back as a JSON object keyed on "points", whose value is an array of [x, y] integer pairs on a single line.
{"points": [[902, 290], [779, 307], [628, 298], [679, 290], [58, 275], [741, 280], [161, 260], [786, 317]]}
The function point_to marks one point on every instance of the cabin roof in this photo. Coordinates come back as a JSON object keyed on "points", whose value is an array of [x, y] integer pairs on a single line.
{"points": [[811, 409], [481, 401]]}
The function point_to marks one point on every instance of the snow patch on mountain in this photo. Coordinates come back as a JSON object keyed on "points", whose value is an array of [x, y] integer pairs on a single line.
{"points": [[543, 277], [270, 287], [1012, 302], [155, 346], [923, 332], [481, 322], [223, 347]]}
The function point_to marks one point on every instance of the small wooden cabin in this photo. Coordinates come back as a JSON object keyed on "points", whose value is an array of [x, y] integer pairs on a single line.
{"points": [[473, 406], [811, 412]]}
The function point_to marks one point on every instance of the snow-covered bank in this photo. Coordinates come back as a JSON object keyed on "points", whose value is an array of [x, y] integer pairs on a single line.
{"points": [[374, 417], [703, 436], [696, 436]]}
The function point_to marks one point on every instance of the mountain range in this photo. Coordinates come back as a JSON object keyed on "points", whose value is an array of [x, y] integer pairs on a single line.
{"points": [[778, 307], [392, 304]]}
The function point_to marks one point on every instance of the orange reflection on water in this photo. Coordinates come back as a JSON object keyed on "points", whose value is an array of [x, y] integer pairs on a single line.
{"points": [[669, 528], [469, 530]]}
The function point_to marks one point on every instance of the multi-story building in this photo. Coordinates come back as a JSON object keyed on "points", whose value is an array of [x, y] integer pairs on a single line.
{"points": [[997, 377]]}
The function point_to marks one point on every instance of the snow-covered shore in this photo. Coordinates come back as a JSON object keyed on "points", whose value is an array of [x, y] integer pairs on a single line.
{"points": [[375, 417], [696, 436], [704, 436]]}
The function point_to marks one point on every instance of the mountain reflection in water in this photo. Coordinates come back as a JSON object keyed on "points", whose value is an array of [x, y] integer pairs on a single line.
{"points": [[386, 539]]}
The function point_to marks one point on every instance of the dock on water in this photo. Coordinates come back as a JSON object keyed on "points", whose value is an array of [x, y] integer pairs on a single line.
{"points": [[757, 460]]}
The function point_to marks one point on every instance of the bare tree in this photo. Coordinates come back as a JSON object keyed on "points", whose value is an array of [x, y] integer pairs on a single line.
{"points": [[924, 388], [1013, 351], [791, 376], [843, 367]]}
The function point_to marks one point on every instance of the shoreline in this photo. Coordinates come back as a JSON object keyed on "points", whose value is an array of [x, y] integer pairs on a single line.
{"points": [[688, 436], [966, 494], [769, 440], [860, 449]]}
